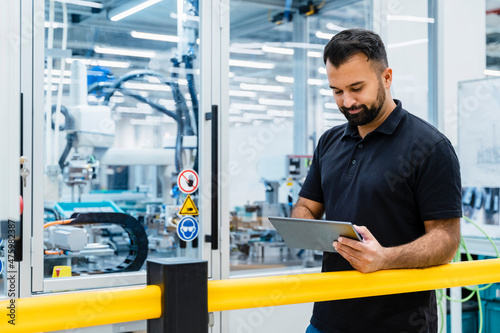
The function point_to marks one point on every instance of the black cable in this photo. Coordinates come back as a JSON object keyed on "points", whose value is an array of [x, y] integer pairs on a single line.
{"points": [[70, 137], [188, 60]]}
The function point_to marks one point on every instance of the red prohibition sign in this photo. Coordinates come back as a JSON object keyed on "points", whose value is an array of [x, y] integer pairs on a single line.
{"points": [[188, 181]]}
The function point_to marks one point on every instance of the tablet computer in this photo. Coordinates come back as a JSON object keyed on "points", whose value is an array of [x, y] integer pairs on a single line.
{"points": [[313, 234]]}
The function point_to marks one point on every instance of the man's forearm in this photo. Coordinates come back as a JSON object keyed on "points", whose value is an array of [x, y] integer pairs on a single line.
{"points": [[302, 212], [434, 248]]}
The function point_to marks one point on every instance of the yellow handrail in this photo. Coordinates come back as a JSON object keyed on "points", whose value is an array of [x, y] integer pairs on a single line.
{"points": [[80, 309], [303, 288]]}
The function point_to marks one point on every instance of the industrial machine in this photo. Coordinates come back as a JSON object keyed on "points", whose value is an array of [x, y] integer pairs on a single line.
{"points": [[115, 145]]}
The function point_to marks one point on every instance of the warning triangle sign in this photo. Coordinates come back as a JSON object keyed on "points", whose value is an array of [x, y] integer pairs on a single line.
{"points": [[188, 208]]}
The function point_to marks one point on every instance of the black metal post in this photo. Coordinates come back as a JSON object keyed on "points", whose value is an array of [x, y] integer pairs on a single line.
{"points": [[183, 282]]}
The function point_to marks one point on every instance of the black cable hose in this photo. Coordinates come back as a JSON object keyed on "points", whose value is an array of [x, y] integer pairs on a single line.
{"points": [[188, 60], [70, 137]]}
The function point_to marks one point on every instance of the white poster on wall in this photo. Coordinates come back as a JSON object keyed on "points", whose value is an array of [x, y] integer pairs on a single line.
{"points": [[479, 153]]}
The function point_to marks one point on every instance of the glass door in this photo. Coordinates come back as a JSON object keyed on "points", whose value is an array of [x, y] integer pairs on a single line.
{"points": [[280, 104], [120, 119]]}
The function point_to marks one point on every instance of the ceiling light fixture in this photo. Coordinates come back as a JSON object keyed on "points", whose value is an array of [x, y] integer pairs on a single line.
{"points": [[233, 49], [251, 64], [324, 35], [278, 50], [314, 54], [322, 70], [325, 92], [129, 8], [335, 27], [240, 93], [158, 37], [315, 82], [275, 102], [284, 79], [83, 3], [280, 113], [410, 18], [262, 87], [125, 52], [248, 107]]}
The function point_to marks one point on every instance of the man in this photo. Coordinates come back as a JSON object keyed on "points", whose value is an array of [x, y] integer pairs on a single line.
{"points": [[394, 176]]}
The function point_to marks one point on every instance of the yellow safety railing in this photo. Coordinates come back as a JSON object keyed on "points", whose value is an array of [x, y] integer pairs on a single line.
{"points": [[303, 288], [80, 309]]}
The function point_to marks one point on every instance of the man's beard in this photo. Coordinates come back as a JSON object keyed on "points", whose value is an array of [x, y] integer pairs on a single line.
{"points": [[365, 116]]}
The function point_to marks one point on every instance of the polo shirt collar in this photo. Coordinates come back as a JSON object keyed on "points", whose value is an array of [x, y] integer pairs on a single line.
{"points": [[387, 127]]}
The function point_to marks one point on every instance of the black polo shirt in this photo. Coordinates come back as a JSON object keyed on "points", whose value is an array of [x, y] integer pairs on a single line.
{"points": [[401, 174]]}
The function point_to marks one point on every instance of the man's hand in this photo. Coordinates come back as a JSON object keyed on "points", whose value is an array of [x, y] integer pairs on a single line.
{"points": [[367, 256]]}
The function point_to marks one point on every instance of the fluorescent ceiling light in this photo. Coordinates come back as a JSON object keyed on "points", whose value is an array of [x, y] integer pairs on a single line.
{"points": [[235, 119], [146, 86], [322, 70], [326, 92], [249, 107], [241, 50], [314, 54], [103, 63], [261, 87], [247, 79], [251, 64], [278, 50], [491, 72], [129, 8], [303, 45], [410, 18], [83, 3], [323, 35], [254, 116], [408, 43], [55, 25], [315, 82], [233, 111], [275, 102], [151, 36], [335, 27], [241, 93], [280, 113], [125, 52], [284, 79], [332, 106]]}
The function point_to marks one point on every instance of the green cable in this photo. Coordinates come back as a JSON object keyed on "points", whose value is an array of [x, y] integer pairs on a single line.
{"points": [[475, 290]]}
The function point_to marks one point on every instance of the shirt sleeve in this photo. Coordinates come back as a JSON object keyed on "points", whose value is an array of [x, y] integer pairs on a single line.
{"points": [[311, 189], [438, 189]]}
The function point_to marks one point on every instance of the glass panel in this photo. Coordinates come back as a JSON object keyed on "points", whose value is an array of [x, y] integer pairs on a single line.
{"points": [[492, 38], [278, 83], [121, 105]]}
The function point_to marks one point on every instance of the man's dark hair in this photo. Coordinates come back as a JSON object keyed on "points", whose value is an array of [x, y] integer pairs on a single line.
{"points": [[349, 42]]}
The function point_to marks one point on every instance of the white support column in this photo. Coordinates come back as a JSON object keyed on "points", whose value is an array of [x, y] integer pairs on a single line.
{"points": [[461, 55], [10, 124]]}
